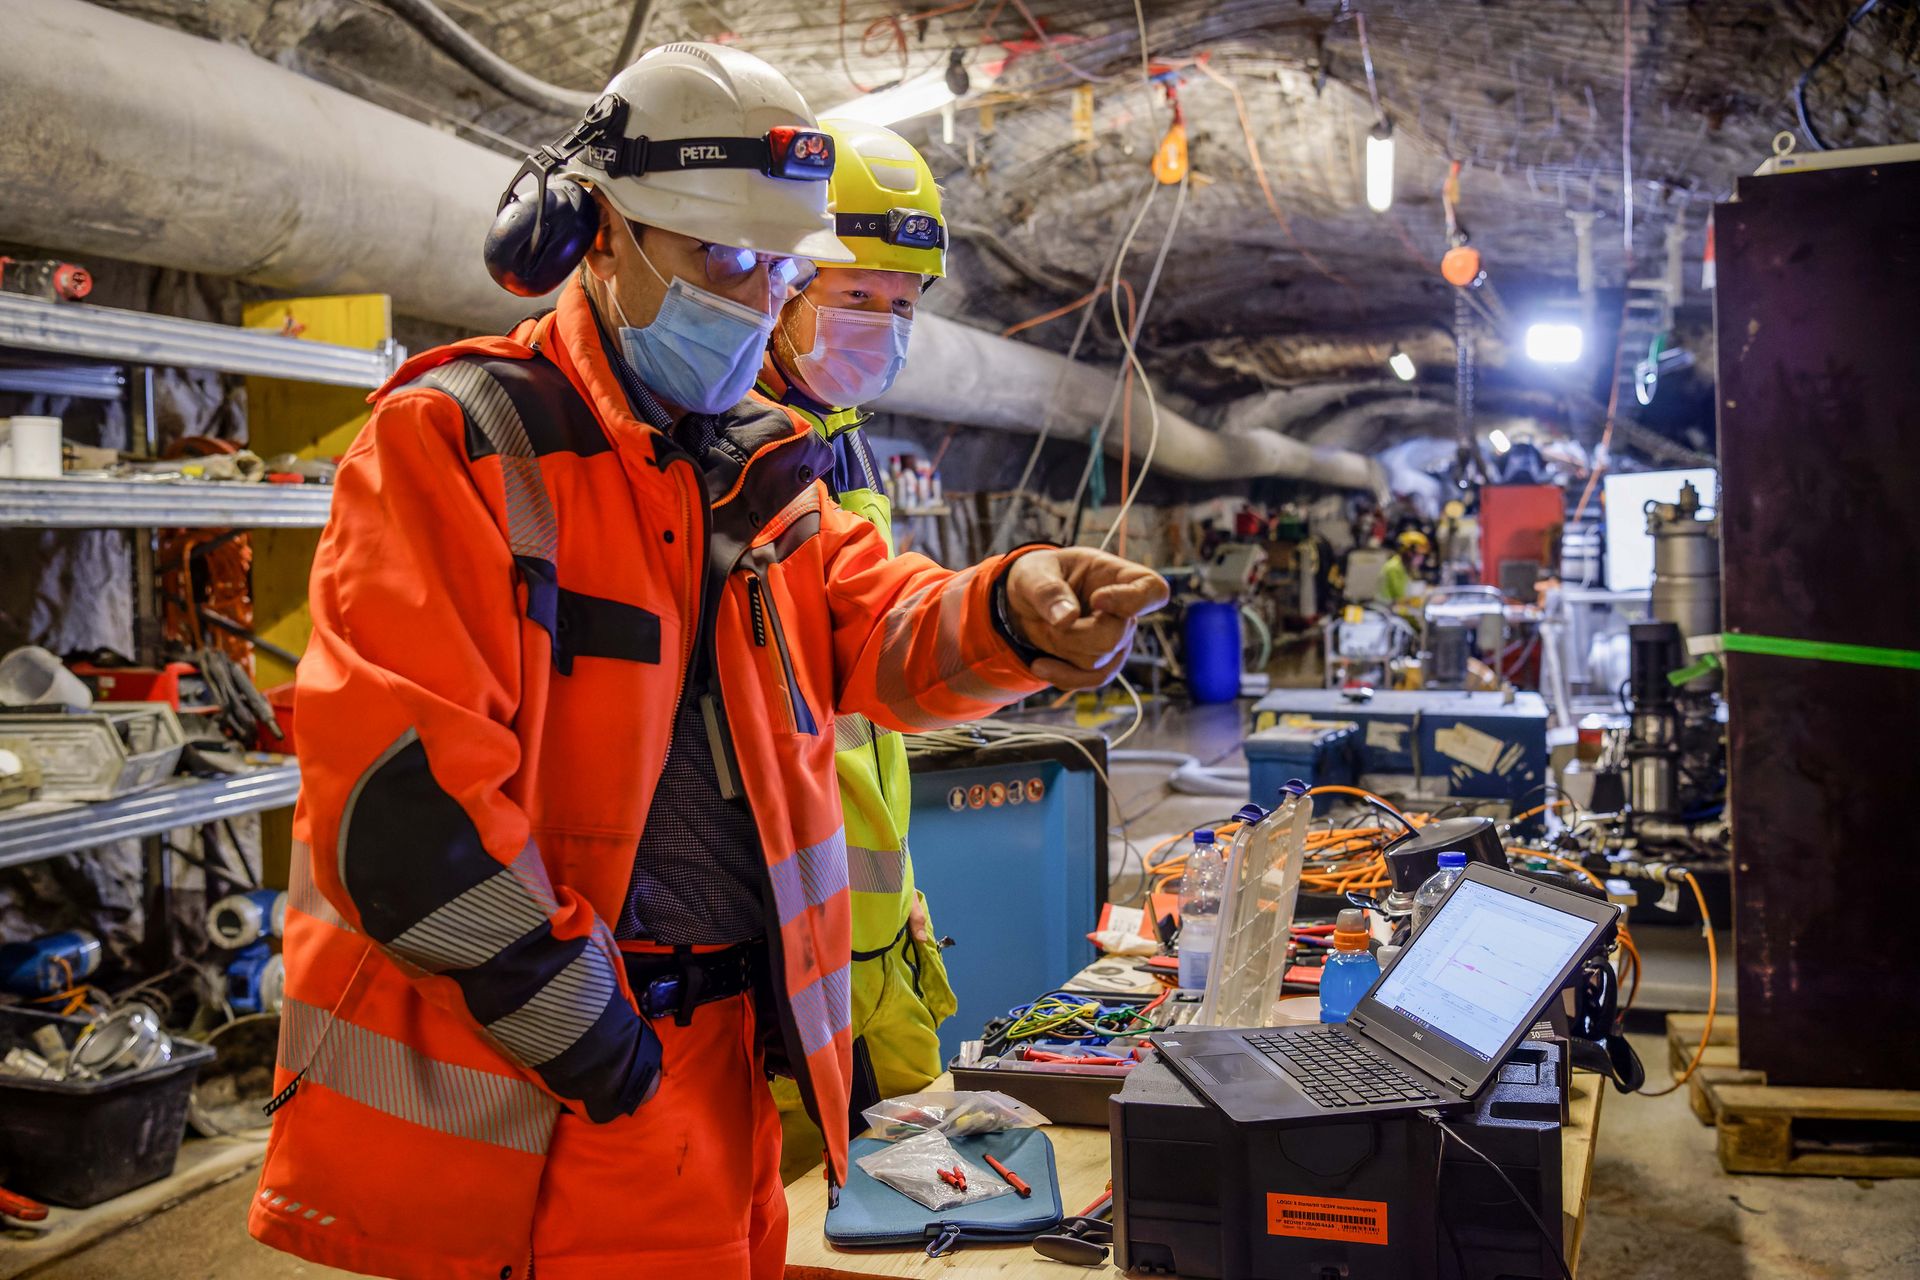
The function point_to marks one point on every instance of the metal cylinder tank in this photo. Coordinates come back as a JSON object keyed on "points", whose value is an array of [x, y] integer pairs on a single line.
{"points": [[1686, 564], [1686, 571]]}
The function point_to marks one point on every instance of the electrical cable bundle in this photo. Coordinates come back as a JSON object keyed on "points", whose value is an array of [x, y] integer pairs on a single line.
{"points": [[1340, 859]]}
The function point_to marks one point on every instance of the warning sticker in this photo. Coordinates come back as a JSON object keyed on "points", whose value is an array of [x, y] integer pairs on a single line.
{"points": [[1387, 735], [1326, 1218], [1469, 746]]}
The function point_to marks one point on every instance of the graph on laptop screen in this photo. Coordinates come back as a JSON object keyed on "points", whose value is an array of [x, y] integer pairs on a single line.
{"points": [[1481, 965]]}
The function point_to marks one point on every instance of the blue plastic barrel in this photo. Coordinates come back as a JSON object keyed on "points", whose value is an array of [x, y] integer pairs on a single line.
{"points": [[1212, 634]]}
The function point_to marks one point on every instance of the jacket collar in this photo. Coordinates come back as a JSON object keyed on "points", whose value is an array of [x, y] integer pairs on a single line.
{"points": [[569, 335], [782, 390]]}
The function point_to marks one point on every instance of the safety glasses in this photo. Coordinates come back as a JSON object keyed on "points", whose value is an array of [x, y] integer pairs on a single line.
{"points": [[728, 265]]}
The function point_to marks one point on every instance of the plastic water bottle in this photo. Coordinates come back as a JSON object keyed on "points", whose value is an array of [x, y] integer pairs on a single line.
{"points": [[1350, 969], [1200, 909], [1453, 865]]}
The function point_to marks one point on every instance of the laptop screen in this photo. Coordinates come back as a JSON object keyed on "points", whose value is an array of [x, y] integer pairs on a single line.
{"points": [[1477, 970]]}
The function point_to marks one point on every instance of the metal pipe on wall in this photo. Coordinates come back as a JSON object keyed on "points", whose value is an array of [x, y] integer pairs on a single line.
{"points": [[131, 140], [957, 373], [126, 139]]}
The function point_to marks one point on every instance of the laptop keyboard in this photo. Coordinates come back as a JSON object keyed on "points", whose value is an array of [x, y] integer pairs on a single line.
{"points": [[1336, 1071]]}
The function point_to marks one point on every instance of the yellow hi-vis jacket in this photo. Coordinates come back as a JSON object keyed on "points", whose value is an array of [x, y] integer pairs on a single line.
{"points": [[900, 989]]}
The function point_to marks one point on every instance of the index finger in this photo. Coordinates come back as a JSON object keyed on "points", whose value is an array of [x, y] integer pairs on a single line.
{"points": [[1141, 593]]}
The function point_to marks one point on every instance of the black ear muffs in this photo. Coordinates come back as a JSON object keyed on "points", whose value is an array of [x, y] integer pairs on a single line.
{"points": [[536, 242]]}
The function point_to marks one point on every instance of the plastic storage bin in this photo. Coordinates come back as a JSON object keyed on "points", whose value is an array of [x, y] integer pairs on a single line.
{"points": [[78, 1142]]}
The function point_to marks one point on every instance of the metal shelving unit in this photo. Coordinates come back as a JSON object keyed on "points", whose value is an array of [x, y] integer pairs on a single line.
{"points": [[45, 829], [81, 502], [135, 337], [104, 353]]}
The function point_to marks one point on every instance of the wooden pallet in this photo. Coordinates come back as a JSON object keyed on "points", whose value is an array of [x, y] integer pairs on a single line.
{"points": [[1838, 1133], [1845, 1133], [1720, 1064]]}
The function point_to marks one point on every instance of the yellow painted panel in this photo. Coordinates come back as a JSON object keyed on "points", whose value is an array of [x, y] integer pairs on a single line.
{"points": [[312, 421]]}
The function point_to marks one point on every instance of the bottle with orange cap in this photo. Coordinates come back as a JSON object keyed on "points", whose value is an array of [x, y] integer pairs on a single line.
{"points": [[1350, 970]]}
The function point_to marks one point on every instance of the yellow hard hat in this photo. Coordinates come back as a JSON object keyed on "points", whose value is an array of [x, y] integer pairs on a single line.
{"points": [[886, 205], [1415, 539]]}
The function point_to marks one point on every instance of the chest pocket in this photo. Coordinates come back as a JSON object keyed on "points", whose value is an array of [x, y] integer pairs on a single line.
{"points": [[518, 411]]}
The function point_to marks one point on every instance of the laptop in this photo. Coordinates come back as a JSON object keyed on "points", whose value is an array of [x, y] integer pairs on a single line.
{"points": [[1429, 1034]]}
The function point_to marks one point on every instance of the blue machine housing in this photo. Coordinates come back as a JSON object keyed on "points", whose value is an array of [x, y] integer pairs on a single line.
{"points": [[1017, 884], [1452, 743]]}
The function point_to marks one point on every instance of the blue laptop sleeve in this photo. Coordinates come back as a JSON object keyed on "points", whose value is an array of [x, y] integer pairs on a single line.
{"points": [[871, 1213]]}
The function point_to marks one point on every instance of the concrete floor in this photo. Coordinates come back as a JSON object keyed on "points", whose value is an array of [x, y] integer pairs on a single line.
{"points": [[1660, 1207]]}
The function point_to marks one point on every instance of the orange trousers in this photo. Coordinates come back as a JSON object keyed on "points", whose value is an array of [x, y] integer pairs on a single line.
{"points": [[688, 1185]]}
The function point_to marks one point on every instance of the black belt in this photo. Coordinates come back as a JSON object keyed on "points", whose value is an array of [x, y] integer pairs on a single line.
{"points": [[675, 985]]}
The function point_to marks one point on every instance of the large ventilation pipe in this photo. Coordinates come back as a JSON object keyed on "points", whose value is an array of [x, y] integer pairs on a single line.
{"points": [[130, 140], [961, 374]]}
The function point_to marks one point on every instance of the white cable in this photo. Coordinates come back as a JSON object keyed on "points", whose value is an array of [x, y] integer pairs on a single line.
{"points": [[1139, 712], [1139, 370], [1146, 66], [1016, 501]]}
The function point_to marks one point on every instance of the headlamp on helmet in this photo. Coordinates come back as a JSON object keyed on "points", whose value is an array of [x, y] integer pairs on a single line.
{"points": [[907, 228]]}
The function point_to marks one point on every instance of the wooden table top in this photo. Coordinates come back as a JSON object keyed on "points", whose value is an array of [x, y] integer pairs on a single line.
{"points": [[1081, 1157]]}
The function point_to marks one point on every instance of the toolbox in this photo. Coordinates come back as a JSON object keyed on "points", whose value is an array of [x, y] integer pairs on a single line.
{"points": [[1319, 753], [1063, 1097], [113, 749]]}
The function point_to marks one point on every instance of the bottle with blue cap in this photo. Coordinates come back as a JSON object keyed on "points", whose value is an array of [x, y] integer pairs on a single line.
{"points": [[1453, 865], [1200, 891]]}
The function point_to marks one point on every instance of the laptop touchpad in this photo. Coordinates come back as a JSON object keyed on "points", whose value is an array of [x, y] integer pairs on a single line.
{"points": [[1232, 1068]]}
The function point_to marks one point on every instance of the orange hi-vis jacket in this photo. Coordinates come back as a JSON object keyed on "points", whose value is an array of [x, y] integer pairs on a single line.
{"points": [[505, 604]]}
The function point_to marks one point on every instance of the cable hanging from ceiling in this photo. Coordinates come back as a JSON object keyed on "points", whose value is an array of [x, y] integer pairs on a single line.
{"points": [[457, 43], [1827, 51]]}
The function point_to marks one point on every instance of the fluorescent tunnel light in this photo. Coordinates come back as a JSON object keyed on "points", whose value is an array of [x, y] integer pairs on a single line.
{"points": [[915, 97], [1380, 168], [1555, 343]]}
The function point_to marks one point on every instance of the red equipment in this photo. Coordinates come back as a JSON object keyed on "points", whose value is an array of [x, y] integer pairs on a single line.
{"points": [[1520, 536]]}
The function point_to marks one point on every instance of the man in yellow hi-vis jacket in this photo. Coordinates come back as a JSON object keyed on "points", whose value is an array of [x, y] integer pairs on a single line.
{"points": [[840, 343]]}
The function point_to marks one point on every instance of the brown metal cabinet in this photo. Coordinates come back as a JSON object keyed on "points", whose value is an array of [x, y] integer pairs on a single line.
{"points": [[1817, 318]]}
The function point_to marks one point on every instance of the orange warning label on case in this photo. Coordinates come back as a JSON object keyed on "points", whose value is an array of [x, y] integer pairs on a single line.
{"points": [[1326, 1218]]}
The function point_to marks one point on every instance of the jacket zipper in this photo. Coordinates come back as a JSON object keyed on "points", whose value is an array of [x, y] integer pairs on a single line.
{"points": [[760, 600], [757, 611]]}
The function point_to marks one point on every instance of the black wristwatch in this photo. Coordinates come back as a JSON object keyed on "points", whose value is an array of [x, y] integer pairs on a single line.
{"points": [[1003, 623]]}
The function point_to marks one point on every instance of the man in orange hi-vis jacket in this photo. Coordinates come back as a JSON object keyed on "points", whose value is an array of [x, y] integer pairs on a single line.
{"points": [[572, 878]]}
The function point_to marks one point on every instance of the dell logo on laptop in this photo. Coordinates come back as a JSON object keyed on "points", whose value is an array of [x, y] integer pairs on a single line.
{"points": [[1418, 1036]]}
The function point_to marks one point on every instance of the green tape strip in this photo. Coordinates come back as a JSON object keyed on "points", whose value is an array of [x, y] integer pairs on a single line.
{"points": [[1701, 666], [1865, 655]]}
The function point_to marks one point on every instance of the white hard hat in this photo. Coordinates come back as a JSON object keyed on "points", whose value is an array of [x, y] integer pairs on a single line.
{"points": [[705, 129]]}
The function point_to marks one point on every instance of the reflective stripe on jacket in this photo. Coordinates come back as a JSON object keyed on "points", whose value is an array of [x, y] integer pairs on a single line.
{"points": [[502, 628], [875, 790]]}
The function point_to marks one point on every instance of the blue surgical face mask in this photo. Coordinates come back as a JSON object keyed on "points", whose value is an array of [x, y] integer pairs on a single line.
{"points": [[702, 351]]}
